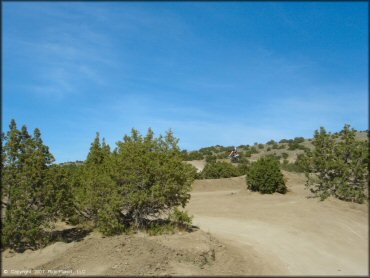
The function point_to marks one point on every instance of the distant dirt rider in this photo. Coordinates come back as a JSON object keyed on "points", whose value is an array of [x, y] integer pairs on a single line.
{"points": [[234, 153]]}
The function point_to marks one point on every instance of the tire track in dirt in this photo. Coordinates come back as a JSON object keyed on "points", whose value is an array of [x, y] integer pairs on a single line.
{"points": [[291, 233]]}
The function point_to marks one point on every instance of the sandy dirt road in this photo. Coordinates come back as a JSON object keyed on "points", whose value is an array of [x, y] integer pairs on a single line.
{"points": [[290, 234], [249, 234]]}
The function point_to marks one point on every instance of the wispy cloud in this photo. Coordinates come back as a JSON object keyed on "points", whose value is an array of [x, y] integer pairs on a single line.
{"points": [[216, 73], [62, 57]]}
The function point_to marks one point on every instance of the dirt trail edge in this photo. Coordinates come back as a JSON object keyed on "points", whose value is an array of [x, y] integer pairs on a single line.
{"points": [[195, 253], [241, 233], [290, 233]]}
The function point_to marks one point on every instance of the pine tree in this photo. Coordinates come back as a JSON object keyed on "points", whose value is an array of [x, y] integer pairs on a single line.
{"points": [[95, 155], [337, 166], [24, 177], [150, 175], [11, 164], [59, 196], [105, 150], [97, 198]]}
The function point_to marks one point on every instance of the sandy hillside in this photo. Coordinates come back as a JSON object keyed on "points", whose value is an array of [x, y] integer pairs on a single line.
{"points": [[293, 234], [199, 164]]}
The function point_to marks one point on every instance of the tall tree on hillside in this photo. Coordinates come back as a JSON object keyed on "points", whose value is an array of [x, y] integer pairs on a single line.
{"points": [[95, 155], [105, 150], [27, 214], [11, 162], [61, 180], [337, 166], [97, 198], [143, 177], [150, 175]]}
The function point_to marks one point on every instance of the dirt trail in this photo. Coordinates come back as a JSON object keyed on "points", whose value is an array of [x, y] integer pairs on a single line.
{"points": [[295, 235], [250, 234]]}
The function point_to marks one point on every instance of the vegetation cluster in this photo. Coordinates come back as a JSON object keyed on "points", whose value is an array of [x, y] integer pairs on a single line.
{"points": [[221, 169], [265, 176], [143, 182], [139, 185], [338, 166]]}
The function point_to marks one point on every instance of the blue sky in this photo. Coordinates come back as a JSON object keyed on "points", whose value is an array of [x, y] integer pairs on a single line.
{"points": [[216, 73]]}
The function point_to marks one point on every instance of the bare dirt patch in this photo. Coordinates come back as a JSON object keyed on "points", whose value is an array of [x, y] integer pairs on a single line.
{"points": [[199, 164], [195, 253], [290, 233]]}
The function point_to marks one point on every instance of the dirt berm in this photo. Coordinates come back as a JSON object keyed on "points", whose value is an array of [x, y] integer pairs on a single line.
{"points": [[195, 253]]}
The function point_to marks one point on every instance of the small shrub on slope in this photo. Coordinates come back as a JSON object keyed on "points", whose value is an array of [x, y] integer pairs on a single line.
{"points": [[180, 218], [265, 176], [217, 170], [211, 158], [243, 166]]}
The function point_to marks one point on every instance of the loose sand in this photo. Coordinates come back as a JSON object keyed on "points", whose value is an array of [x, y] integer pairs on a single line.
{"points": [[294, 234]]}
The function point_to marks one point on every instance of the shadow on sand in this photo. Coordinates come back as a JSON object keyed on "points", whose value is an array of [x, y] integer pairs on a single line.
{"points": [[69, 235]]}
